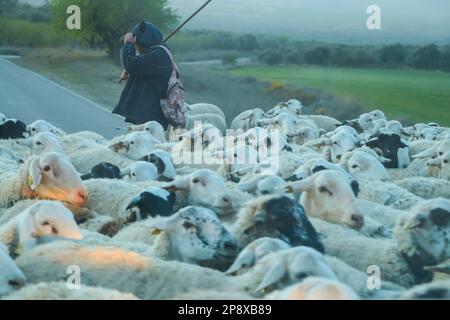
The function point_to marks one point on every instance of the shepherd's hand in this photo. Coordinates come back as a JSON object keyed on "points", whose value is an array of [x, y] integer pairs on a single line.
{"points": [[129, 38], [125, 75]]}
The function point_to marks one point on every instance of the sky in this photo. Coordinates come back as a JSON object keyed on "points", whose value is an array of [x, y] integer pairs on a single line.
{"points": [[408, 21]]}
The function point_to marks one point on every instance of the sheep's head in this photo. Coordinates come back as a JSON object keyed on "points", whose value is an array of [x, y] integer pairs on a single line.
{"points": [[278, 217], [52, 176], [254, 252], [362, 165], [42, 143], [198, 236], [40, 126], [11, 278], [425, 233], [163, 162], [135, 145], [104, 170], [393, 148], [2, 118], [283, 268], [330, 195], [205, 188], [46, 219]]}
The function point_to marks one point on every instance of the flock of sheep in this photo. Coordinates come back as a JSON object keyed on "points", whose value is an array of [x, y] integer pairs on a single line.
{"points": [[353, 210]]}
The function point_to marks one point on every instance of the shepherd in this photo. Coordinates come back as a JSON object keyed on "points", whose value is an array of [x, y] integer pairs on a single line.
{"points": [[153, 91]]}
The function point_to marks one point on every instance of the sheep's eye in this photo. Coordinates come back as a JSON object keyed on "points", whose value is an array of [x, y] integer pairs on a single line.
{"points": [[325, 190], [38, 143], [335, 143], [34, 129], [445, 161], [132, 142], [47, 168], [133, 174], [45, 223], [441, 153], [196, 180], [354, 166]]}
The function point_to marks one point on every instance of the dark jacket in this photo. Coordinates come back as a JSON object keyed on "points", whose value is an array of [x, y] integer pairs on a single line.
{"points": [[147, 84]]}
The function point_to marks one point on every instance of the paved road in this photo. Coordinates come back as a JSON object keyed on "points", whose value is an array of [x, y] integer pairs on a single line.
{"points": [[28, 96]]}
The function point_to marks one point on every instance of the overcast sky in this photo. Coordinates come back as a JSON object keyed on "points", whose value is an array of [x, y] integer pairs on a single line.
{"points": [[412, 21]]}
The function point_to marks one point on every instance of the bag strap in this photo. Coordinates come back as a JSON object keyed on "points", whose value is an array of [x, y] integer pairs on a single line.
{"points": [[174, 65]]}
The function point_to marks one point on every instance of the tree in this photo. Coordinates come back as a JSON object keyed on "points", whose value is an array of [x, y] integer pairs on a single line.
{"points": [[319, 55], [108, 20], [445, 60], [393, 54], [271, 56], [8, 6], [427, 57], [248, 42]]}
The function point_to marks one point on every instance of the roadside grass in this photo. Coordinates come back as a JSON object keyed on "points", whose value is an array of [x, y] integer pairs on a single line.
{"points": [[420, 96]]}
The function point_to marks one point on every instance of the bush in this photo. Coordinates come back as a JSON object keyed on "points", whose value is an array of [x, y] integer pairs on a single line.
{"points": [[445, 61], [427, 57], [229, 59], [271, 56], [319, 56], [393, 54]]}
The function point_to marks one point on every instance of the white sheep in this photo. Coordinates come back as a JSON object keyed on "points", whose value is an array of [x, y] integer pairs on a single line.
{"points": [[315, 288], [43, 219], [41, 143], [426, 188], [217, 121], [48, 176], [205, 108], [61, 291], [40, 126], [323, 122], [11, 278], [293, 106], [247, 119], [141, 171], [135, 145], [152, 127], [362, 165], [110, 267], [330, 195], [443, 163]]}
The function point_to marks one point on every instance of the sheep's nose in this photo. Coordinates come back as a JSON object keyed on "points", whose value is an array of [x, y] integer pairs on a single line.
{"points": [[17, 283], [82, 198], [357, 220]]}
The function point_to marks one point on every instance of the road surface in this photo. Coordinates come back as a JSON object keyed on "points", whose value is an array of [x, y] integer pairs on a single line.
{"points": [[27, 96]]}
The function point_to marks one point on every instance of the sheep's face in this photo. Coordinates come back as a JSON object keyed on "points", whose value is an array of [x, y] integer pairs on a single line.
{"points": [[205, 188], [331, 196], [428, 229], [103, 170], [39, 126], [141, 171], [341, 143], [365, 121], [393, 148], [198, 236], [42, 143], [286, 267], [135, 145], [254, 252], [156, 130], [304, 135], [443, 163], [281, 218], [362, 165], [377, 115], [11, 278], [47, 219], [52, 176]]}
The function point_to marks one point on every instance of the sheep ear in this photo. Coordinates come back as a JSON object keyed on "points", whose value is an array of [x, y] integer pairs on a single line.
{"points": [[435, 163], [275, 274], [301, 186], [167, 225], [425, 154], [34, 174], [27, 229], [246, 259], [180, 185]]}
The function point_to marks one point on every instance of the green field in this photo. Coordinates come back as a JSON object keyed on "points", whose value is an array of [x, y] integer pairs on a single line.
{"points": [[420, 96]]}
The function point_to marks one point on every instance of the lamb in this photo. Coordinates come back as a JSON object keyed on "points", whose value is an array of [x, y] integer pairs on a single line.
{"points": [[113, 268], [275, 216], [163, 162], [293, 106], [104, 170], [393, 148], [48, 176], [40, 126], [261, 185], [330, 195], [205, 108], [315, 288], [43, 219], [11, 277], [152, 202], [12, 129], [362, 165], [141, 171], [303, 135], [426, 188], [41, 143], [323, 122], [193, 235], [152, 127], [135, 145], [443, 163], [312, 166], [84, 161], [60, 291], [213, 119], [421, 240], [204, 188], [247, 119]]}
